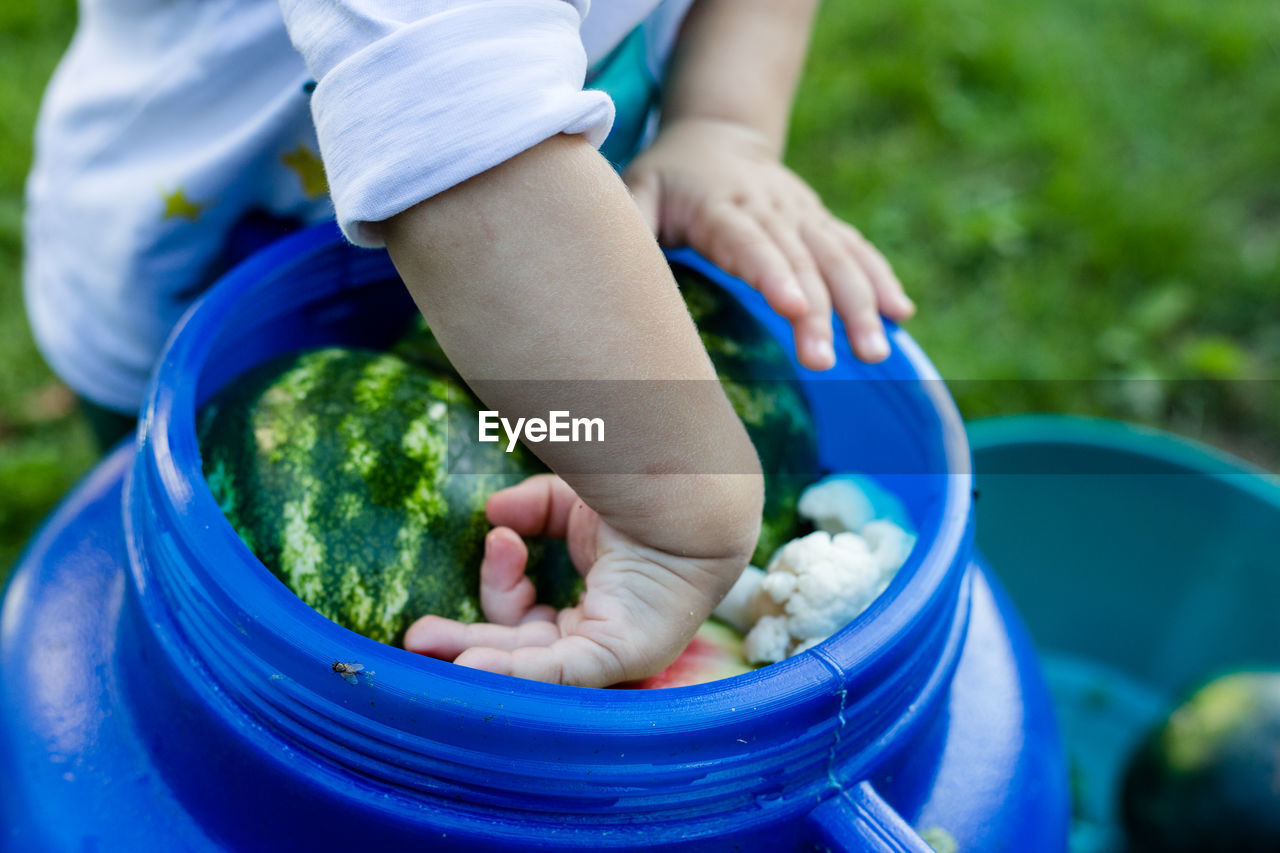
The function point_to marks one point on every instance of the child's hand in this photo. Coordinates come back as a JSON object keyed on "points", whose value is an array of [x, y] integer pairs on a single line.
{"points": [[719, 187], [640, 609]]}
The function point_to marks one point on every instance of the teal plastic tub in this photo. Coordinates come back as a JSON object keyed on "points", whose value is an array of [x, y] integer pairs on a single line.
{"points": [[1142, 562]]}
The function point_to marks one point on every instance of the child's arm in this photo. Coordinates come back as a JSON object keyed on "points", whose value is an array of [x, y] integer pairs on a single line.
{"points": [[713, 178], [542, 269]]}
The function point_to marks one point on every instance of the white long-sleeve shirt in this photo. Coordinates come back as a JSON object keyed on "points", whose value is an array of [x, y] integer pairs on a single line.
{"points": [[167, 123]]}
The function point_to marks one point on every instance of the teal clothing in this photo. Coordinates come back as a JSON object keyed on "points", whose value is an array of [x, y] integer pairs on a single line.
{"points": [[624, 75]]}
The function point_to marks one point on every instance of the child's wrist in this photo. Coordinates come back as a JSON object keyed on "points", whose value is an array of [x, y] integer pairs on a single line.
{"points": [[729, 130]]}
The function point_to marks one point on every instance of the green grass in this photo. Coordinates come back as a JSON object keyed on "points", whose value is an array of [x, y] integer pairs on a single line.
{"points": [[1083, 198], [44, 447]]}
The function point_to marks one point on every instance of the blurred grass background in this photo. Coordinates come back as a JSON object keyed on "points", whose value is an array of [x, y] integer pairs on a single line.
{"points": [[44, 447], [1083, 196]]}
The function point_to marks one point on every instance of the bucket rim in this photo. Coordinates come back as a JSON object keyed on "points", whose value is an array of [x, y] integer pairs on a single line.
{"points": [[1140, 440]]}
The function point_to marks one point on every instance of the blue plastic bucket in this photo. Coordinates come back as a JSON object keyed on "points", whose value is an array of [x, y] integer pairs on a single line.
{"points": [[213, 709]]}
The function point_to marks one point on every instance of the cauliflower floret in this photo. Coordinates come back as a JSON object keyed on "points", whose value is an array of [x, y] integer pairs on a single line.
{"points": [[819, 583], [768, 641], [737, 608], [778, 587], [836, 505], [843, 503], [889, 544], [829, 581]]}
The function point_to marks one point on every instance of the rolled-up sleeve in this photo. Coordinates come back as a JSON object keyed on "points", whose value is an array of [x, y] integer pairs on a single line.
{"points": [[412, 98]]}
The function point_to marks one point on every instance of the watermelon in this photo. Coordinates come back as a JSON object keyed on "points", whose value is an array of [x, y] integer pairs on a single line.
{"points": [[1208, 777], [715, 652], [334, 467], [759, 381]]}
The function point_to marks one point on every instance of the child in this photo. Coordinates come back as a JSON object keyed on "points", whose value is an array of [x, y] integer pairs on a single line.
{"points": [[459, 136]]}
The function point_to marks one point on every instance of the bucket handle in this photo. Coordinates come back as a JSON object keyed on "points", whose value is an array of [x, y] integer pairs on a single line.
{"points": [[858, 819]]}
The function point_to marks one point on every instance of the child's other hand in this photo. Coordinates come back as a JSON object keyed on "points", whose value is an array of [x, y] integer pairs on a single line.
{"points": [[640, 609], [718, 187]]}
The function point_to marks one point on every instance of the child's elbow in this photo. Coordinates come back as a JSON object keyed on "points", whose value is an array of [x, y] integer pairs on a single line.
{"points": [[735, 515]]}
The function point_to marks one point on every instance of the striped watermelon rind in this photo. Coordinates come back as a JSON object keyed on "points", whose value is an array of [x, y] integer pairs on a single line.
{"points": [[336, 468], [333, 466]]}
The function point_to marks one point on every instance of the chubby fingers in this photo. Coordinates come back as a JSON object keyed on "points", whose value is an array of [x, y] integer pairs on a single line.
{"points": [[538, 506], [892, 299], [545, 505], [851, 290], [812, 329], [574, 649], [805, 261], [570, 650], [437, 637], [506, 593], [507, 599], [805, 264], [575, 660], [740, 244]]}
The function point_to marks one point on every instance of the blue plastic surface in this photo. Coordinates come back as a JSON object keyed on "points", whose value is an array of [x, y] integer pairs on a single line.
{"points": [[164, 691]]}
